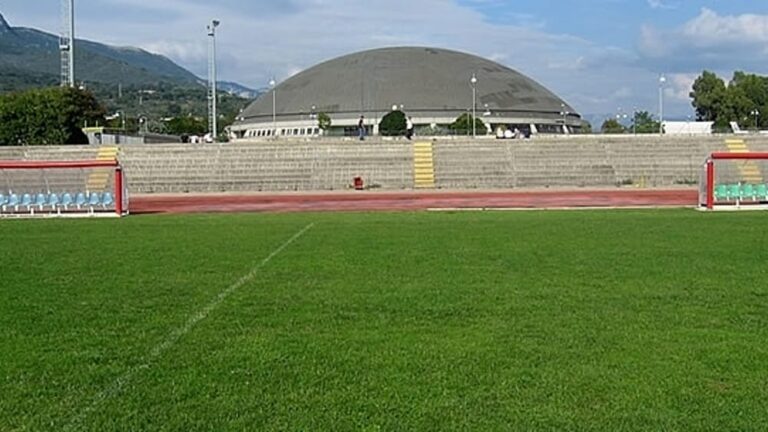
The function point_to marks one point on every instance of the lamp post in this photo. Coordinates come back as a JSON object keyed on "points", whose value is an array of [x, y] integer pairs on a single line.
{"points": [[756, 114], [564, 113], [474, 97], [212, 79], [621, 116], [634, 121], [662, 81], [274, 103]]}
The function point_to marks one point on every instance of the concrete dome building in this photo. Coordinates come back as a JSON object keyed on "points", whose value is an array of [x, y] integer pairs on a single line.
{"points": [[431, 85]]}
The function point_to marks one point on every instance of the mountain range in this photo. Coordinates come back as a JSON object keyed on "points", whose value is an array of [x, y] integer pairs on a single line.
{"points": [[30, 57]]}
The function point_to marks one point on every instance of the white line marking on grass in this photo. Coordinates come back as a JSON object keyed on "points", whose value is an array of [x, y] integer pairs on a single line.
{"points": [[76, 422]]}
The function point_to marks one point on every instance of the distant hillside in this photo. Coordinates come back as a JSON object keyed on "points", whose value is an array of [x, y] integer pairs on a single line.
{"points": [[239, 90], [30, 58], [33, 53], [130, 81]]}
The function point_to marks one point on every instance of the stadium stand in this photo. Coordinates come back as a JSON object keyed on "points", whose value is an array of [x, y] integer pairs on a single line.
{"points": [[300, 165]]}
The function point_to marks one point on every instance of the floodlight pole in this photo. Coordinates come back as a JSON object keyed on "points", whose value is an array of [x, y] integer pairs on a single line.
{"points": [[474, 104], [212, 79], [72, 43], [67, 43]]}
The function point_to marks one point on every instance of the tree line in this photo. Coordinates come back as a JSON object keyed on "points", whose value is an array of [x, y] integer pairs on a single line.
{"points": [[57, 115], [642, 122]]}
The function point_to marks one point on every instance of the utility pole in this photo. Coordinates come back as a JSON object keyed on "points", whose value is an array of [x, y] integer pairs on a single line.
{"points": [[67, 43]]}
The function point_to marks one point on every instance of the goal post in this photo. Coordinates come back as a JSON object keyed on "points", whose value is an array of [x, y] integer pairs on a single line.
{"points": [[734, 181], [77, 188]]}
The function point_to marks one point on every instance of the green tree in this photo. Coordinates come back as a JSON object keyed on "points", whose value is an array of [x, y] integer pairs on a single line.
{"points": [[737, 107], [586, 128], [323, 121], [187, 125], [747, 93], [710, 98], [644, 123], [612, 126], [463, 125], [48, 116], [753, 85], [393, 124], [720, 103]]}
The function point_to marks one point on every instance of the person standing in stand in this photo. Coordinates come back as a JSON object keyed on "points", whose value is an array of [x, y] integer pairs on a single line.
{"points": [[409, 127], [361, 128]]}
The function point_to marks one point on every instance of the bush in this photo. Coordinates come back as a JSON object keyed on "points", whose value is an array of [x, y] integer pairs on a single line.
{"points": [[393, 124], [48, 116], [323, 121], [463, 125]]}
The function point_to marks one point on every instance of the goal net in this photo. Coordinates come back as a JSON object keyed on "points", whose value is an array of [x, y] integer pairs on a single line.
{"points": [[734, 181], [62, 189]]}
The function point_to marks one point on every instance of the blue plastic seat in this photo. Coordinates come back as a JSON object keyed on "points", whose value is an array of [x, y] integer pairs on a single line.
{"points": [[95, 199], [13, 200], [3, 199], [66, 200], [80, 200], [107, 200], [26, 200], [41, 200], [53, 200]]}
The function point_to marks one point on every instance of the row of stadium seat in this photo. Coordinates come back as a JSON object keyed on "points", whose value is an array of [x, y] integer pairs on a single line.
{"points": [[739, 192], [42, 201]]}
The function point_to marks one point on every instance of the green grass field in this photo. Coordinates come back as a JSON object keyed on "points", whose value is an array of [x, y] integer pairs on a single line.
{"points": [[615, 320]]}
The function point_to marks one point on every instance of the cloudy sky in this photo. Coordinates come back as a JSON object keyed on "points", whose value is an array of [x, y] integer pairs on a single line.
{"points": [[600, 55]]}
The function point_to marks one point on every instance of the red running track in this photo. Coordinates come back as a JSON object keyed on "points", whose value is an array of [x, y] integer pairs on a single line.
{"points": [[412, 200]]}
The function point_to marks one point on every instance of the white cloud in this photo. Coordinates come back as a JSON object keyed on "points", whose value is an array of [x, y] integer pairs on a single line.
{"points": [[711, 29], [709, 35], [680, 85], [660, 4]]}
